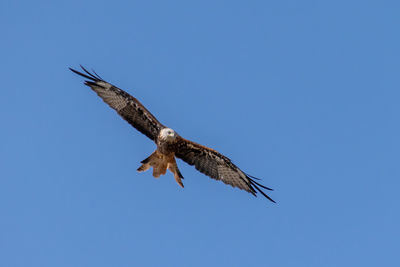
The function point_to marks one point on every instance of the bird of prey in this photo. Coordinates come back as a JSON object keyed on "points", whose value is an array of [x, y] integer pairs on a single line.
{"points": [[170, 144]]}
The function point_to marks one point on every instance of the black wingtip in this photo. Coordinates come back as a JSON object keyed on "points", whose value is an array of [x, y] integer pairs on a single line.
{"points": [[256, 186], [263, 186], [95, 74], [93, 77], [264, 194], [252, 178], [90, 84]]}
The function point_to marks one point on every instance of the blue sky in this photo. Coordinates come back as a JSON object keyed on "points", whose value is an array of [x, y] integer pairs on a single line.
{"points": [[303, 94]]}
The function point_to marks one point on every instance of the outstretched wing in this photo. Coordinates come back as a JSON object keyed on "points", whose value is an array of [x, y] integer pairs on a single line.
{"points": [[126, 105], [217, 166]]}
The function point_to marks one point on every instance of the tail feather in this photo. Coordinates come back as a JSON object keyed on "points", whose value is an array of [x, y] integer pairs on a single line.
{"points": [[160, 163]]}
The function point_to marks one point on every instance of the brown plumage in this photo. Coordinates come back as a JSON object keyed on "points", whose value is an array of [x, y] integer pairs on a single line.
{"points": [[169, 143]]}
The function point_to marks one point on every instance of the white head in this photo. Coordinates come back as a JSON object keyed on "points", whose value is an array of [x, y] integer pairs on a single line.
{"points": [[168, 134]]}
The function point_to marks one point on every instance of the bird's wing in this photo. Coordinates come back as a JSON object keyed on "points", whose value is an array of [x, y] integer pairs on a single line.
{"points": [[126, 105], [217, 166]]}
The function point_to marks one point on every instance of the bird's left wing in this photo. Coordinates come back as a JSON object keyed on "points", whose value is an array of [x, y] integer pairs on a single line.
{"points": [[217, 166], [126, 105]]}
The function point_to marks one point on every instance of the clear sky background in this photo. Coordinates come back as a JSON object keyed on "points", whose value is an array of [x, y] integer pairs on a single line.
{"points": [[303, 94]]}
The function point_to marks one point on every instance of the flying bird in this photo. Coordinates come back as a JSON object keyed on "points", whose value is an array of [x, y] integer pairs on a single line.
{"points": [[170, 144]]}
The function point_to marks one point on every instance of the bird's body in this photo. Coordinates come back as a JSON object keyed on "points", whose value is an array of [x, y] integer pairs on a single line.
{"points": [[169, 144], [163, 158]]}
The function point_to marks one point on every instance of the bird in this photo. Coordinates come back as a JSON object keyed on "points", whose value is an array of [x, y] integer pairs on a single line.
{"points": [[170, 145]]}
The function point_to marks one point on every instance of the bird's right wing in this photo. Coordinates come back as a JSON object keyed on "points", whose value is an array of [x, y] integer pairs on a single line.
{"points": [[126, 105], [217, 166]]}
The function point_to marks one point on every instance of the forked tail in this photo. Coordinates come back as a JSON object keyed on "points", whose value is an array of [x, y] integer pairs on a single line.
{"points": [[160, 163]]}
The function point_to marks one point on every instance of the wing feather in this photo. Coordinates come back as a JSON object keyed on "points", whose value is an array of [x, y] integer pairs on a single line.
{"points": [[126, 105], [217, 166]]}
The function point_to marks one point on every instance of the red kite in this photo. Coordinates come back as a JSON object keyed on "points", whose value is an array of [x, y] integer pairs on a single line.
{"points": [[170, 145]]}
